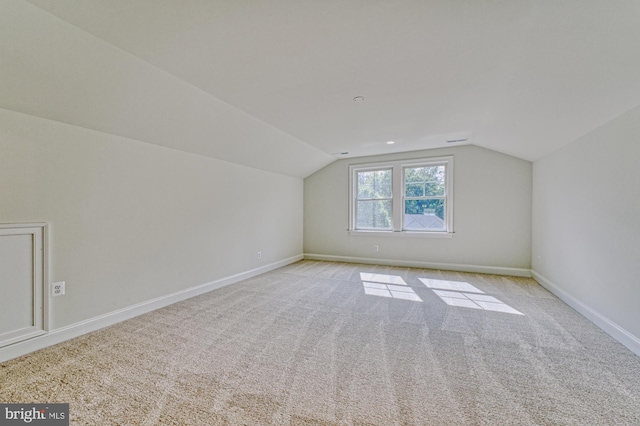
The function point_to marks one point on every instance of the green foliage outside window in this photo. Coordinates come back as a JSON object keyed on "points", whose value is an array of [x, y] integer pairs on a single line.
{"points": [[424, 190]]}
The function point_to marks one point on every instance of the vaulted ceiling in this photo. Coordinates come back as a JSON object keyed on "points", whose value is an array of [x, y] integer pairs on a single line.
{"points": [[271, 84]]}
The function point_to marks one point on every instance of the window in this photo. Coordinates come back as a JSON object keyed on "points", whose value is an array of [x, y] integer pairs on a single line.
{"points": [[402, 197], [424, 198], [373, 199]]}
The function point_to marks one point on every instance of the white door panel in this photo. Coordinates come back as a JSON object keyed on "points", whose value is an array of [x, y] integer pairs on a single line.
{"points": [[22, 275]]}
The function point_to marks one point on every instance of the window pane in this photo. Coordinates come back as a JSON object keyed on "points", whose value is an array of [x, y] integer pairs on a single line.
{"points": [[414, 190], [424, 215], [415, 174], [434, 189], [435, 181], [365, 189], [373, 214], [374, 184], [431, 177]]}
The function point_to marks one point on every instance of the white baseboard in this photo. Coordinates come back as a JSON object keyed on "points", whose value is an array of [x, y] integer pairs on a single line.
{"points": [[78, 329], [611, 328], [516, 272]]}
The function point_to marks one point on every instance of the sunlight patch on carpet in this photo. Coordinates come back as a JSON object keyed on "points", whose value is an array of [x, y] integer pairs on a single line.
{"points": [[392, 286], [465, 295]]}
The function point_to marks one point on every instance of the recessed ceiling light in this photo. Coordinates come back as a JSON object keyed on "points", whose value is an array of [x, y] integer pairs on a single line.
{"points": [[358, 99], [390, 142]]}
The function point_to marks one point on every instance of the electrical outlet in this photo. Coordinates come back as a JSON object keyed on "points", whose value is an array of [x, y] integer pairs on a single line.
{"points": [[375, 248], [57, 289], [259, 255]]}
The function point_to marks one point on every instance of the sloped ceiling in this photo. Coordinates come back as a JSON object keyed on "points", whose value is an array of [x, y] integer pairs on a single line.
{"points": [[271, 84]]}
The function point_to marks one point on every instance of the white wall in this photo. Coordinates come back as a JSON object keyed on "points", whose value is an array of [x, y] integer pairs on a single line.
{"points": [[131, 221], [586, 225], [53, 69], [492, 214]]}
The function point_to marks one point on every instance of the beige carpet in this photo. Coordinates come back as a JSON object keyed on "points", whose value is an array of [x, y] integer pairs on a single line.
{"points": [[306, 345]]}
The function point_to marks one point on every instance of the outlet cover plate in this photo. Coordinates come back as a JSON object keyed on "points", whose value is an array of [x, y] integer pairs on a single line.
{"points": [[58, 289]]}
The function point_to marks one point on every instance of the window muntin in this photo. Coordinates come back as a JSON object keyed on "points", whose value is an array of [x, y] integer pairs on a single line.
{"points": [[413, 197], [374, 199]]}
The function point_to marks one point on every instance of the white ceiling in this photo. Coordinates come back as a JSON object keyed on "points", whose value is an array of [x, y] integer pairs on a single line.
{"points": [[521, 77]]}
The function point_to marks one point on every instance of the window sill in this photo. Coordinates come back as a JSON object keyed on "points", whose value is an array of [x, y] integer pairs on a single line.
{"points": [[401, 234]]}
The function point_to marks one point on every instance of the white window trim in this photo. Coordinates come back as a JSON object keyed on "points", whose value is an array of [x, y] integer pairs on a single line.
{"points": [[397, 197]]}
